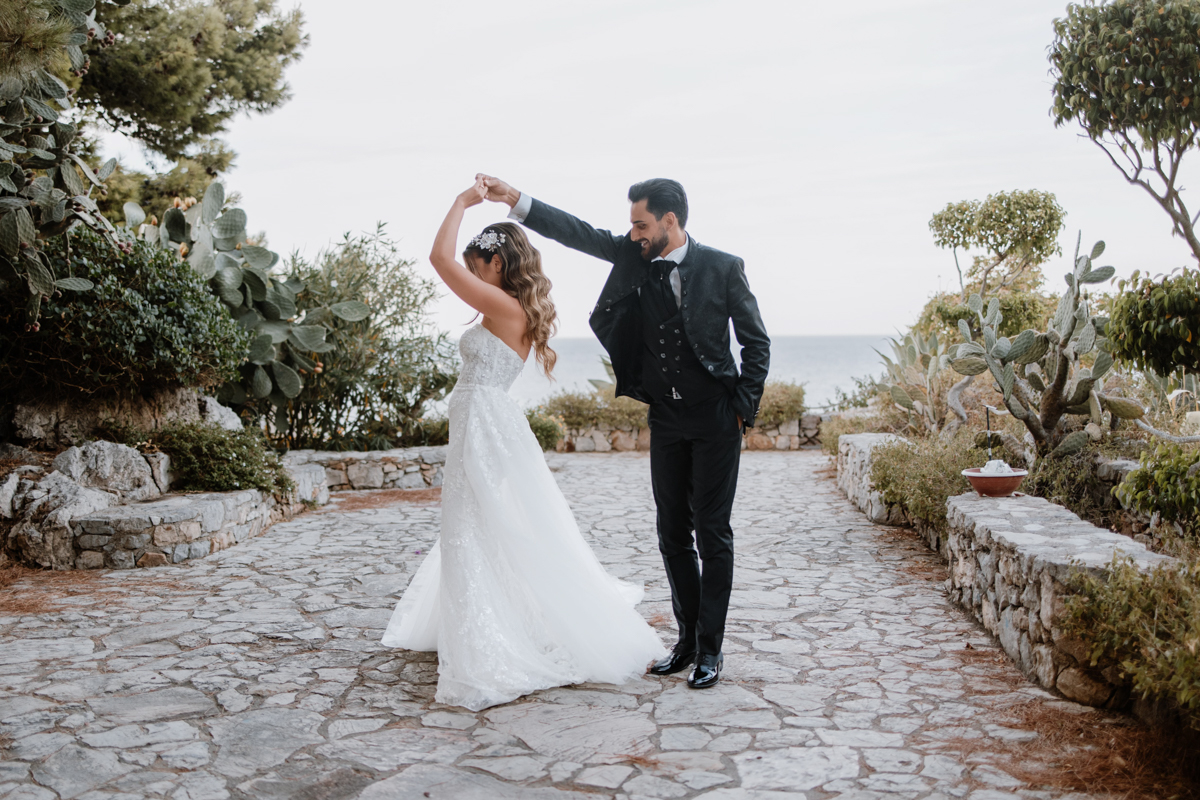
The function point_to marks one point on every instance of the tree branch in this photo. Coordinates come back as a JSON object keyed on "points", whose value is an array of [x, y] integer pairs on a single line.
{"points": [[1164, 435]]}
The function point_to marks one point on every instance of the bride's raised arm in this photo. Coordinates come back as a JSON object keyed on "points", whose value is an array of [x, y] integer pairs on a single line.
{"points": [[487, 298]]}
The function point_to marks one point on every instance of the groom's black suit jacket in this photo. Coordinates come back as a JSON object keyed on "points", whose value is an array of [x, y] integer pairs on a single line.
{"points": [[714, 292]]}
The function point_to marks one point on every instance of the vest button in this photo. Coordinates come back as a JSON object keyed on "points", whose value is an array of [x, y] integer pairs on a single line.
{"points": [[662, 355], [660, 327], [710, 369], [676, 358], [677, 330], [662, 341]]}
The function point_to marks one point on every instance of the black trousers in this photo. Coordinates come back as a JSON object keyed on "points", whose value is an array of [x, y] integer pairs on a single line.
{"points": [[694, 455]]}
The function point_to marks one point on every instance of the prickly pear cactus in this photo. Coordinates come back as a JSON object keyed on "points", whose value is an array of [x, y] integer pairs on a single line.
{"points": [[916, 379], [1040, 373], [214, 241]]}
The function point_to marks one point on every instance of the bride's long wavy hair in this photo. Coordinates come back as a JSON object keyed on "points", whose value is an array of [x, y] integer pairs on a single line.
{"points": [[521, 276]]}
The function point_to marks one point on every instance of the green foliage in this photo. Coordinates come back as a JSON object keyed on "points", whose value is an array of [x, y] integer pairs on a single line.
{"points": [[214, 241], [205, 458], [1167, 483], [370, 389], [1071, 482], [583, 410], [146, 324], [1156, 323], [189, 178], [921, 475], [1018, 310], [1127, 73], [179, 71], [1040, 374], [1146, 623], [548, 428], [865, 390], [1018, 231], [782, 401], [45, 186]]}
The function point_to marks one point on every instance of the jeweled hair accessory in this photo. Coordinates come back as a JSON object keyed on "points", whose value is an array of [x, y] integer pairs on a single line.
{"points": [[488, 240]]}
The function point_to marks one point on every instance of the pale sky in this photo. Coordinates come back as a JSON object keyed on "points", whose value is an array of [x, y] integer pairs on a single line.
{"points": [[815, 140]]}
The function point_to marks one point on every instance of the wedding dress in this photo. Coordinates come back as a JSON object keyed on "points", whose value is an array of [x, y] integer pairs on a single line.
{"points": [[511, 597]]}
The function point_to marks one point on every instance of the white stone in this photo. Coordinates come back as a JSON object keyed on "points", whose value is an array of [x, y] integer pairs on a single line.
{"points": [[436, 781], [110, 467], [254, 740], [683, 738], [608, 777], [732, 705], [391, 748], [212, 412], [510, 768]]}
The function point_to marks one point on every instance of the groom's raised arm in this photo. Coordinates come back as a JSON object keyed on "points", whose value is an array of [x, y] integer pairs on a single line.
{"points": [[554, 223]]}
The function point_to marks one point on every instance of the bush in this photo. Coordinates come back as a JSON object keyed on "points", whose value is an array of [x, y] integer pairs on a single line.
{"points": [[1071, 481], [1154, 323], [921, 475], [865, 390], [781, 402], [427, 433], [149, 323], [1019, 309], [370, 391], [1166, 483], [599, 407], [1148, 624], [548, 428], [205, 458]]}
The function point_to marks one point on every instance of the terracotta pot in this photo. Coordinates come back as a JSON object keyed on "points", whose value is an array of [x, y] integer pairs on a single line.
{"points": [[994, 485]]}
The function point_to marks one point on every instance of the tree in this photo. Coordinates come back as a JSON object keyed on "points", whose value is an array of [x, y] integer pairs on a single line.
{"points": [[190, 177], [179, 70], [1018, 231], [1127, 72]]}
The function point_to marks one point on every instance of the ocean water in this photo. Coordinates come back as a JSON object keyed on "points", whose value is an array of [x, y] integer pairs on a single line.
{"points": [[821, 363]]}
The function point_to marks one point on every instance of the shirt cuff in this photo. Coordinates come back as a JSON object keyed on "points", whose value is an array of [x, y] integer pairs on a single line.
{"points": [[521, 210]]}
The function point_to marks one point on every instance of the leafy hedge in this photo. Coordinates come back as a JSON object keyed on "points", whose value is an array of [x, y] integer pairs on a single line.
{"points": [[1155, 324], [148, 323], [781, 402], [599, 407], [1146, 623]]}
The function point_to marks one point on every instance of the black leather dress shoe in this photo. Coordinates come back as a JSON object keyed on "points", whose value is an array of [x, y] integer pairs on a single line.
{"points": [[707, 672], [678, 659]]}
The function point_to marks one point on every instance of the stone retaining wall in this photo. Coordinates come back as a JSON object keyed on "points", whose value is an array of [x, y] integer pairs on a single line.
{"points": [[402, 468], [854, 476], [791, 435], [1010, 558], [179, 527]]}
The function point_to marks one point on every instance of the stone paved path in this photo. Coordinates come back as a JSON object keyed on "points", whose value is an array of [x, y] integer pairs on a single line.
{"points": [[257, 672]]}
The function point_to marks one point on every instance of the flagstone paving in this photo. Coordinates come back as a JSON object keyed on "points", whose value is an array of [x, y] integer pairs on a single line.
{"points": [[257, 672]]}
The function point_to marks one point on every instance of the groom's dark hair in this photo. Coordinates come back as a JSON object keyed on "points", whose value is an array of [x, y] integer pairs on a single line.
{"points": [[661, 195]]}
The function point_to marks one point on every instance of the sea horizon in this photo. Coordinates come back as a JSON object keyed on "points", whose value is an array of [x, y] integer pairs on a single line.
{"points": [[822, 364]]}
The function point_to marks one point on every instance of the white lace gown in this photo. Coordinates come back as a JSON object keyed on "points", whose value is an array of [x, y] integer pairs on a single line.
{"points": [[511, 597]]}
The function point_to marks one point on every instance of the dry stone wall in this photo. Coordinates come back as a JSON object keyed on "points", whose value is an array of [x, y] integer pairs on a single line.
{"points": [[791, 435], [402, 468], [1010, 559]]}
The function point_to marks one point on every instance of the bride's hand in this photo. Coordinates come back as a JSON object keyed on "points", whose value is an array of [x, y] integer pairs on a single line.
{"points": [[474, 195]]}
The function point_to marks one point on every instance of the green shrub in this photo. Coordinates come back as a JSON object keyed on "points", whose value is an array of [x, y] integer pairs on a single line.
{"points": [[1148, 624], [781, 402], [1167, 482], [548, 428], [148, 323], [1071, 481], [1019, 310], [426, 433], [205, 458], [1155, 322], [582, 410], [921, 475], [836, 426], [865, 390], [370, 390]]}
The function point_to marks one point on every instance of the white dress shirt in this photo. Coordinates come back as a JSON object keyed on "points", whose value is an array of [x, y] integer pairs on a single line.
{"points": [[523, 206]]}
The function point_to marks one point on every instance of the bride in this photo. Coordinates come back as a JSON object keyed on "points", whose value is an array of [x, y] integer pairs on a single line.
{"points": [[511, 597]]}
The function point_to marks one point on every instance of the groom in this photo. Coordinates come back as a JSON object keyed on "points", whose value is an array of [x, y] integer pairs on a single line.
{"points": [[664, 319]]}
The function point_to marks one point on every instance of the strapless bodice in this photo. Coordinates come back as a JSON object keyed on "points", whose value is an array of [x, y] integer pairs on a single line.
{"points": [[487, 361]]}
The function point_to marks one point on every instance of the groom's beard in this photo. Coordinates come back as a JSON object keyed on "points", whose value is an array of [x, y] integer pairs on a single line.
{"points": [[653, 248]]}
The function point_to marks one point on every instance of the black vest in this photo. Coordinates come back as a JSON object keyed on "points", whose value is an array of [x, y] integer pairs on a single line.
{"points": [[670, 370]]}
